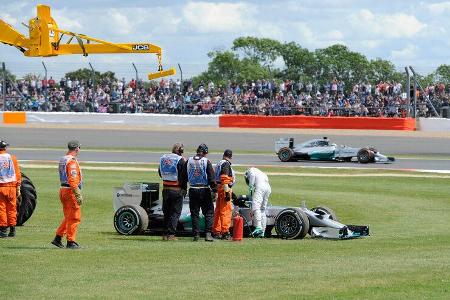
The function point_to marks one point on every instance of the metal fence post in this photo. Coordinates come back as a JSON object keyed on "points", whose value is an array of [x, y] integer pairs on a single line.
{"points": [[137, 75], [93, 76], [181, 89], [3, 87], [408, 92], [46, 82]]}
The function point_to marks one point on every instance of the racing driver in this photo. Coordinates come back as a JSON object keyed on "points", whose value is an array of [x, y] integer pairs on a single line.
{"points": [[259, 190]]}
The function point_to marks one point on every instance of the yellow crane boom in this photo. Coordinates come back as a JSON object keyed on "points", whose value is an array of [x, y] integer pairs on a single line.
{"points": [[45, 39]]}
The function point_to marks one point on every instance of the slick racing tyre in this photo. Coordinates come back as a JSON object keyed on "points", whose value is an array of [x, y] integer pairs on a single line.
{"points": [[26, 203], [130, 219], [365, 156], [285, 154], [291, 224]]}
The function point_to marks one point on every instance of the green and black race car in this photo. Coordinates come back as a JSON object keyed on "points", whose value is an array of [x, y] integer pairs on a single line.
{"points": [[138, 210]]}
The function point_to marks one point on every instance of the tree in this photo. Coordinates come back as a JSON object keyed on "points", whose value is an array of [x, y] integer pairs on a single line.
{"points": [[383, 70], [226, 65], [109, 76], [252, 58], [252, 71], [9, 75], [300, 62], [86, 74], [337, 62], [442, 74], [261, 50], [31, 76], [425, 80]]}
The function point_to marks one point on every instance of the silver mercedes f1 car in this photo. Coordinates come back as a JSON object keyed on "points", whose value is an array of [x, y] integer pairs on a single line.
{"points": [[322, 149], [138, 210]]}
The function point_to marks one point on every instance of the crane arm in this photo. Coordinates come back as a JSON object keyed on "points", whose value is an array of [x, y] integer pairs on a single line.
{"points": [[45, 39], [10, 36]]}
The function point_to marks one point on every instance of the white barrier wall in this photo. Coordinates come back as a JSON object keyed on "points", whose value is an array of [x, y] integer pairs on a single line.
{"points": [[125, 119], [424, 124], [434, 124]]}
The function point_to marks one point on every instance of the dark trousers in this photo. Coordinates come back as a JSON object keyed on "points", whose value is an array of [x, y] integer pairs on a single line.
{"points": [[201, 198], [172, 205]]}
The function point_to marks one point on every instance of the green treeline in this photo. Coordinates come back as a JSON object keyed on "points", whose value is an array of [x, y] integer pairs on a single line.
{"points": [[252, 58]]}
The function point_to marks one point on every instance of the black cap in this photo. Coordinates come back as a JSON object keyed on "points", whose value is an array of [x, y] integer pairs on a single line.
{"points": [[228, 153], [72, 145], [3, 144], [202, 148], [178, 148]]}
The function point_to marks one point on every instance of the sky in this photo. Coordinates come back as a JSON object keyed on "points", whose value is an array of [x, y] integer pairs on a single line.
{"points": [[405, 32]]}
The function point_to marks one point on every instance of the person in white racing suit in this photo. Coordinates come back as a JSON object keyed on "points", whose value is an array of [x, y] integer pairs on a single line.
{"points": [[259, 190]]}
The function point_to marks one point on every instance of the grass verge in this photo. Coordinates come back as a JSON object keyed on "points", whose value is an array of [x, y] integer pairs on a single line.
{"points": [[407, 256]]}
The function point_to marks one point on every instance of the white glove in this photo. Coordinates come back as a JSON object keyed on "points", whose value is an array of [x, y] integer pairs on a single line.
{"points": [[213, 196]]}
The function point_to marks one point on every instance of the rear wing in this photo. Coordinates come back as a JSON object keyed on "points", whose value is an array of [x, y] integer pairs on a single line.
{"points": [[284, 142]]}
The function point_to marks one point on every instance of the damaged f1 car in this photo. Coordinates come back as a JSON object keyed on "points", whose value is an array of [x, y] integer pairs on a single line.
{"points": [[138, 210], [323, 150]]}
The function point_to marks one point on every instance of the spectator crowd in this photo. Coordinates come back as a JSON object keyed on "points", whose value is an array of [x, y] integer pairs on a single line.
{"points": [[261, 97]]}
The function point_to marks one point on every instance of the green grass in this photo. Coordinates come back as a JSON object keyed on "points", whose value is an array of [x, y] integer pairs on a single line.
{"points": [[298, 170], [406, 256]]}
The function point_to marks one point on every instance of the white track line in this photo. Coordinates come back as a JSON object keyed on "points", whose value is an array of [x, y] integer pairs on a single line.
{"points": [[140, 169]]}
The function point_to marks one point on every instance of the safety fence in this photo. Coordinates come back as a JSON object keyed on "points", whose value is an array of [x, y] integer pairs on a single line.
{"points": [[207, 108], [242, 121]]}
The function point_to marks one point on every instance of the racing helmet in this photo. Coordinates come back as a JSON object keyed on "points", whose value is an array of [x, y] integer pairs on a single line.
{"points": [[202, 148], [178, 148], [3, 144]]}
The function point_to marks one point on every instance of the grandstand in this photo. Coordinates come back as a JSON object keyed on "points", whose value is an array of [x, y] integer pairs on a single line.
{"points": [[258, 97]]}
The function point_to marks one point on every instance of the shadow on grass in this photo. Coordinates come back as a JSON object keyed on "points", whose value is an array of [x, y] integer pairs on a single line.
{"points": [[29, 247], [116, 235], [108, 233], [136, 238], [334, 240], [141, 238]]}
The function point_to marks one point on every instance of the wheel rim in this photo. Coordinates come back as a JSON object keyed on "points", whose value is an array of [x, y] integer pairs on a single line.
{"points": [[284, 155], [126, 221], [289, 225], [364, 156]]}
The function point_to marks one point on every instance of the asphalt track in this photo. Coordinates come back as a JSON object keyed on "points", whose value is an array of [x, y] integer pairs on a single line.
{"points": [[29, 143]]}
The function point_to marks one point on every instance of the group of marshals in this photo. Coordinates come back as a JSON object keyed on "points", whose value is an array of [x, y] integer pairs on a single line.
{"points": [[176, 173], [207, 186], [69, 194]]}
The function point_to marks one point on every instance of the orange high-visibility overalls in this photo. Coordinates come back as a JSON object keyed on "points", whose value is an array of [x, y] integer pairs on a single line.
{"points": [[223, 210], [70, 178], [10, 179]]}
